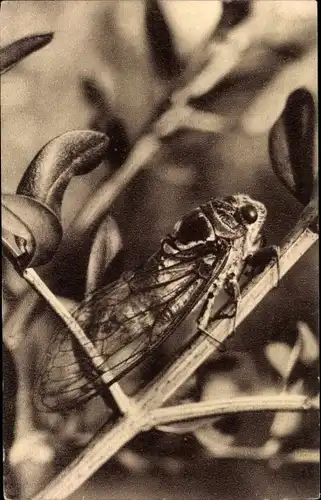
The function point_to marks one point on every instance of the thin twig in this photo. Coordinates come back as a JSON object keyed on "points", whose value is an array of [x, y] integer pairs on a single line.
{"points": [[101, 201], [110, 439], [209, 409]]}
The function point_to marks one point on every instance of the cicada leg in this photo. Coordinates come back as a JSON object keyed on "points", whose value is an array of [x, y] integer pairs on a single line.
{"points": [[259, 260], [232, 287], [205, 315]]}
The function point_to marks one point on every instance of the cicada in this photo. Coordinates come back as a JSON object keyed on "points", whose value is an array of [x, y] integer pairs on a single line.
{"points": [[206, 252]]}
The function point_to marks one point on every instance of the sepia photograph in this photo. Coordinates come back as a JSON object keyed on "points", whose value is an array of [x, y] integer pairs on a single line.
{"points": [[160, 262]]}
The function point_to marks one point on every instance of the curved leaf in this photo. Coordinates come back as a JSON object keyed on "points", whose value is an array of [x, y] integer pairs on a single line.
{"points": [[291, 146], [18, 50], [36, 228], [106, 245], [72, 153]]}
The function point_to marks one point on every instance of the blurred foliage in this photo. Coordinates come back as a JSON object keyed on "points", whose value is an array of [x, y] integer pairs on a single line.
{"points": [[107, 68]]}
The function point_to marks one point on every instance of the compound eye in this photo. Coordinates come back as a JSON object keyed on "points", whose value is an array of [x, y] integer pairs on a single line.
{"points": [[192, 229], [248, 214]]}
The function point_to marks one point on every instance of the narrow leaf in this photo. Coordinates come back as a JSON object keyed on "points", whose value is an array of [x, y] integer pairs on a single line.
{"points": [[310, 348], [72, 153], [164, 57], [18, 50], [106, 245], [278, 353]]}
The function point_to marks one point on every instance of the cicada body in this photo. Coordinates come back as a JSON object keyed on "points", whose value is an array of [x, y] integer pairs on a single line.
{"points": [[128, 319]]}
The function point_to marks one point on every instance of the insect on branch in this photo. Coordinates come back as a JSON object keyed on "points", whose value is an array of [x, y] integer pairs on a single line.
{"points": [[110, 439], [298, 241]]}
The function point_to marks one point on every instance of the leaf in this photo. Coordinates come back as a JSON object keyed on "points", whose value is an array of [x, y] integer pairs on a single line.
{"points": [[72, 153], [105, 121], [37, 229], [18, 50], [278, 354], [283, 358], [234, 12], [93, 94], [106, 245], [32, 447], [294, 357], [310, 348], [164, 57], [119, 145], [291, 146]]}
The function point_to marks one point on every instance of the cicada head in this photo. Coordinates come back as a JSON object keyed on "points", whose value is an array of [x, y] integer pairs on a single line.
{"points": [[237, 216]]}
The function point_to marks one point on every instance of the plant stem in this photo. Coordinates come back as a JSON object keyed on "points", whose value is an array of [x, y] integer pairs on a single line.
{"points": [[215, 407], [100, 203]]}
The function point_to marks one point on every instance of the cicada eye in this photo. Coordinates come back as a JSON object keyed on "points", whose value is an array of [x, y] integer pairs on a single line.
{"points": [[247, 213], [192, 228]]}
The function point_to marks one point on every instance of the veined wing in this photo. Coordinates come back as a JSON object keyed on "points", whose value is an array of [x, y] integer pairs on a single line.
{"points": [[125, 321]]}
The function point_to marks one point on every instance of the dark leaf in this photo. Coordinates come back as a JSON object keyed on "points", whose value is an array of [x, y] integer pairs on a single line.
{"points": [[162, 48], [119, 145], [234, 12], [16, 51], [93, 94], [10, 389], [73, 153], [292, 148], [36, 228]]}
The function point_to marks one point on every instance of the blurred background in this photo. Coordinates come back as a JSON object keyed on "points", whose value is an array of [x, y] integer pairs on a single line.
{"points": [[109, 67]]}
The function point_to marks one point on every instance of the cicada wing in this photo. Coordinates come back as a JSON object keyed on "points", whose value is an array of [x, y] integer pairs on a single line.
{"points": [[125, 321], [65, 376]]}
